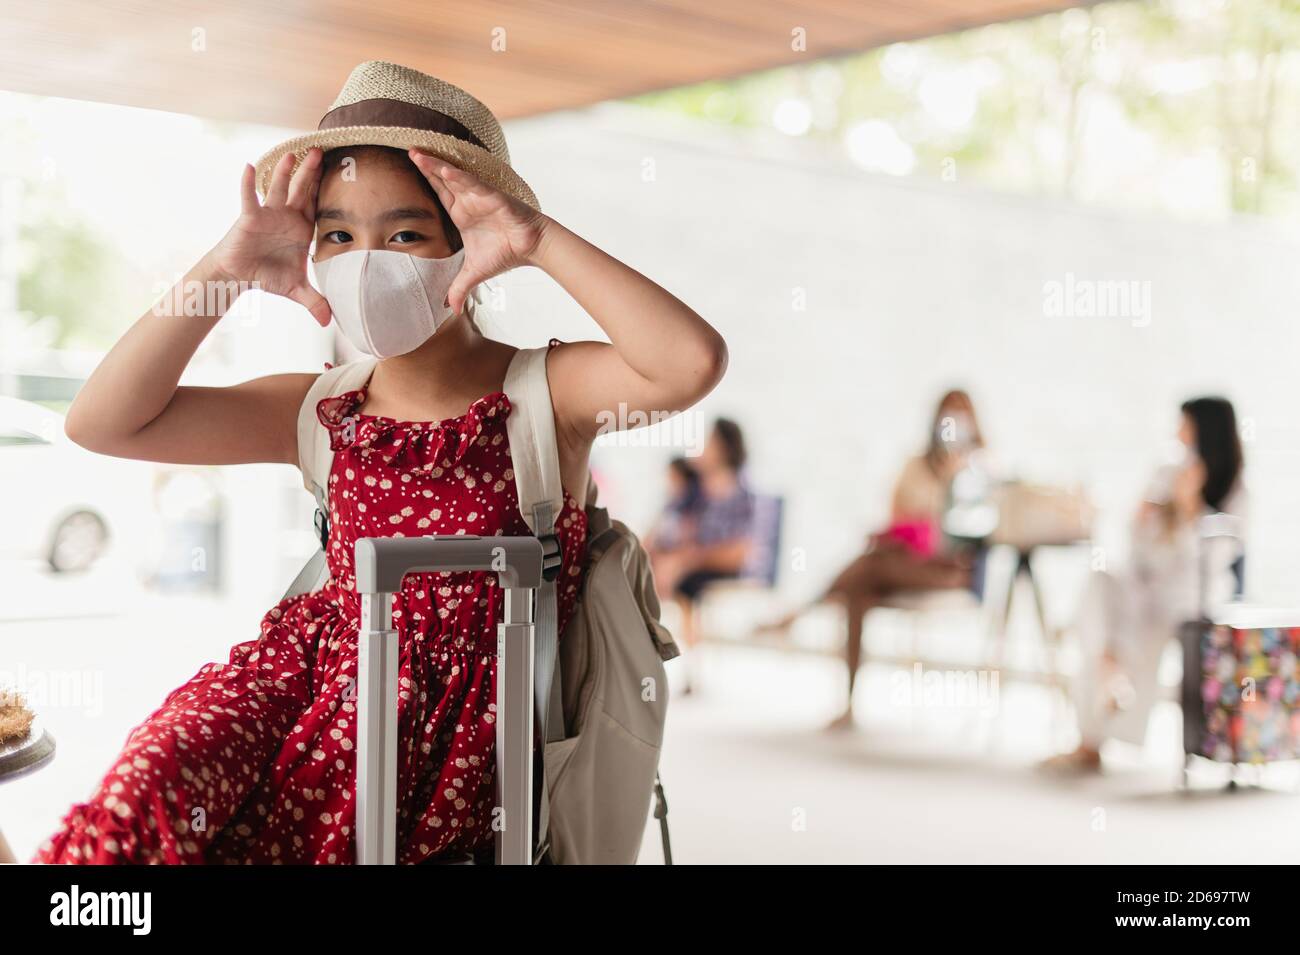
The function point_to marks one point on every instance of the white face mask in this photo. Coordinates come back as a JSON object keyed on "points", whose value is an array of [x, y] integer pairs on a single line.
{"points": [[387, 303]]}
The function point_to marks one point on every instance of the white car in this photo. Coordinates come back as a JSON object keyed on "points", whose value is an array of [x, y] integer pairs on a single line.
{"points": [[61, 503]]}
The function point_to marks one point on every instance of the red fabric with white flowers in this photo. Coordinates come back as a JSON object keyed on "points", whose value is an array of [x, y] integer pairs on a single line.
{"points": [[253, 760]]}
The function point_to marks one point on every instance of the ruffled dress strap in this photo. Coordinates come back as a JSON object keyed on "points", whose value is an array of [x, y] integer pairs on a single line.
{"points": [[338, 414], [414, 446]]}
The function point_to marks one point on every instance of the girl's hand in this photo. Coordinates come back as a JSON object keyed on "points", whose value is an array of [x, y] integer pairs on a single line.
{"points": [[499, 231], [269, 242]]}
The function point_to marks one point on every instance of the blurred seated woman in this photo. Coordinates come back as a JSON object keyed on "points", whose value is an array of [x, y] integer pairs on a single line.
{"points": [[676, 524], [706, 532], [1126, 619], [912, 553]]}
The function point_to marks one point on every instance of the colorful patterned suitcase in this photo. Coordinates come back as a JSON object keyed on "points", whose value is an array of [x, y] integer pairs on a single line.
{"points": [[1241, 685]]}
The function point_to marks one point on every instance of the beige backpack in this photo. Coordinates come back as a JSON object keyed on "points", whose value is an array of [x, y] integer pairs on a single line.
{"points": [[604, 705]]}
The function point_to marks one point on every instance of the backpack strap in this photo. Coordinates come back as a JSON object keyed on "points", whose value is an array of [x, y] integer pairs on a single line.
{"points": [[535, 459], [534, 454], [315, 458]]}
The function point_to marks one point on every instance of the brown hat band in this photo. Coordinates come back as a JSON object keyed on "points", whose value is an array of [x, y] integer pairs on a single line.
{"points": [[392, 112]]}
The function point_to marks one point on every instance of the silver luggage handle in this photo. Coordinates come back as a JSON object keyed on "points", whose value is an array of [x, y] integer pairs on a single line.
{"points": [[381, 563]]}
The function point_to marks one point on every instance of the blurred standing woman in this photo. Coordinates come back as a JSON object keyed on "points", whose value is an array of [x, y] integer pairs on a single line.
{"points": [[912, 552], [1126, 620]]}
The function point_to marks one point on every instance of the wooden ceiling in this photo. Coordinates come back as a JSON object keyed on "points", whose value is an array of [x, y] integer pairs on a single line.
{"points": [[282, 62]]}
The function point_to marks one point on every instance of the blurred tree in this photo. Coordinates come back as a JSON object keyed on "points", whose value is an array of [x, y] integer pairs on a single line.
{"points": [[66, 277], [1189, 104], [69, 277]]}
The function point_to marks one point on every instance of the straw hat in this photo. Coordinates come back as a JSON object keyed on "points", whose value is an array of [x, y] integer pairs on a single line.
{"points": [[383, 104]]}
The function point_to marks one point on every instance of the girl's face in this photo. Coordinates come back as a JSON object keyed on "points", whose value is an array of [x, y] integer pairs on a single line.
{"points": [[377, 201]]}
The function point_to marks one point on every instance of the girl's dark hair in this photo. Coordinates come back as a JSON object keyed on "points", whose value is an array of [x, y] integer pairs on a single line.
{"points": [[733, 442], [1218, 444], [333, 159]]}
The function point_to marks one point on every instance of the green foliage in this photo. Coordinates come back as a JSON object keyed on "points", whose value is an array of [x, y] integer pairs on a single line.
{"points": [[68, 275], [1173, 81]]}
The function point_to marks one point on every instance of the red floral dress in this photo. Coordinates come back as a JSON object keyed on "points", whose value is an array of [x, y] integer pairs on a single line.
{"points": [[253, 760]]}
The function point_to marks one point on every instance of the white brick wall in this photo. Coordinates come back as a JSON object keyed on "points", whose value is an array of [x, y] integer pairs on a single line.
{"points": [[913, 285]]}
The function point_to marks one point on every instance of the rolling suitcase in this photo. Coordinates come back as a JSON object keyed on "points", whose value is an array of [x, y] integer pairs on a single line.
{"points": [[1241, 686], [1241, 682], [381, 563]]}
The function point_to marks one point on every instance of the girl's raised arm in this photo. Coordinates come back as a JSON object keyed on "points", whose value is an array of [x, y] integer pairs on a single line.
{"points": [[132, 407]]}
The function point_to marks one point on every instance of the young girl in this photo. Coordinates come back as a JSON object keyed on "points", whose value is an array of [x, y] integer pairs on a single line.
{"points": [[253, 760]]}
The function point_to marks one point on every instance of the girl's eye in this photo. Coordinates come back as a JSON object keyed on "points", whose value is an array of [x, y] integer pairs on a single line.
{"points": [[406, 236], [338, 235]]}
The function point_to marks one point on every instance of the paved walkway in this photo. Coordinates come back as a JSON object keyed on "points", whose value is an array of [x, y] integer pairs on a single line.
{"points": [[753, 777], [751, 774]]}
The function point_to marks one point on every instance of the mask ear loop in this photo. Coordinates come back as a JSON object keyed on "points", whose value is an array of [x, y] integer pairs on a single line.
{"points": [[311, 260]]}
